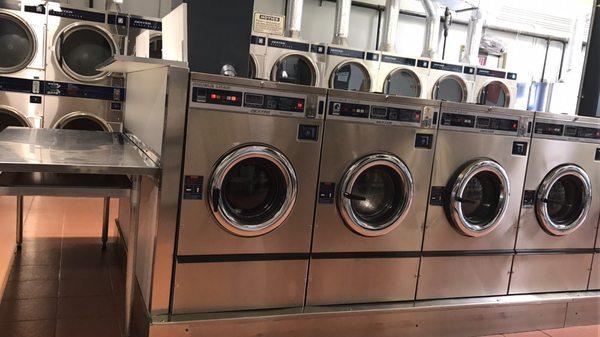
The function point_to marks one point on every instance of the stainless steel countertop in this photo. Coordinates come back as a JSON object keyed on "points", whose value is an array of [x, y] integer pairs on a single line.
{"points": [[71, 151]]}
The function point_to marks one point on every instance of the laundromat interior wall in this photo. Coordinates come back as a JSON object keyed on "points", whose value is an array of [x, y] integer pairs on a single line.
{"points": [[526, 54]]}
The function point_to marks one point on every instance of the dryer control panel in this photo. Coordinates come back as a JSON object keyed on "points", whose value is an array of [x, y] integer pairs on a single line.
{"points": [[486, 123], [256, 101]]}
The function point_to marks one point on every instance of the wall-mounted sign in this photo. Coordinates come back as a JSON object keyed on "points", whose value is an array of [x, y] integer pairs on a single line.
{"points": [[268, 24]]}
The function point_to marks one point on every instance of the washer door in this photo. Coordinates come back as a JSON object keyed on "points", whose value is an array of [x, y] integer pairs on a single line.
{"points": [[253, 190], [81, 48], [350, 76], [494, 93], [478, 197], [563, 200], [375, 194], [12, 117], [450, 88], [402, 82], [294, 69], [82, 121], [17, 43]]}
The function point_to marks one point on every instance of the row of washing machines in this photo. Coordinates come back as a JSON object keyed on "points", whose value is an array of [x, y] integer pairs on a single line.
{"points": [[313, 197], [331, 66], [49, 59]]}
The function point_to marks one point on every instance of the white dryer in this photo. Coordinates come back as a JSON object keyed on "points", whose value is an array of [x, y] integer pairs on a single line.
{"points": [[451, 82], [258, 51], [495, 87], [350, 69], [294, 61], [402, 76]]}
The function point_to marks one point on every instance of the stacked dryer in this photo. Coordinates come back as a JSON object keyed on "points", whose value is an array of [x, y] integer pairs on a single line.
{"points": [[495, 87], [560, 211], [452, 82], [475, 198], [78, 95], [22, 57], [374, 177]]}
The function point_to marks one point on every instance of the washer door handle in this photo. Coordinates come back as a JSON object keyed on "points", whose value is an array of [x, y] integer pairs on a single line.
{"points": [[216, 195], [354, 197], [465, 200]]}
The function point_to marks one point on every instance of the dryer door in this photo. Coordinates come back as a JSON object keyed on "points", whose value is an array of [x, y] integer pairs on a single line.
{"points": [[494, 93], [563, 200], [253, 190], [478, 197], [81, 48], [351, 76], [12, 117], [294, 69], [85, 121], [450, 88], [375, 194], [17, 43], [403, 82]]}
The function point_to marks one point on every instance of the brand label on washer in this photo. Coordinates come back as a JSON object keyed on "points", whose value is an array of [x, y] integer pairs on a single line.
{"points": [[268, 24], [192, 189]]}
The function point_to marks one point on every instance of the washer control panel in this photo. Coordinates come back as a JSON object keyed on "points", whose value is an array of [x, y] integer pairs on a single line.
{"points": [[486, 122], [419, 116]]}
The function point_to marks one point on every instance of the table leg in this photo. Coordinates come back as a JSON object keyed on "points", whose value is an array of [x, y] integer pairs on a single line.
{"points": [[19, 221], [105, 216], [132, 252]]}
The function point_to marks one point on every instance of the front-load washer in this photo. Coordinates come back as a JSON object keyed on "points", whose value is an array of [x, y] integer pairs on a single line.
{"points": [[256, 61], [294, 61], [559, 215], [495, 87], [350, 69], [451, 82], [78, 41], [22, 39], [248, 194], [373, 184], [402, 76], [21, 102], [474, 204], [147, 31], [83, 107]]}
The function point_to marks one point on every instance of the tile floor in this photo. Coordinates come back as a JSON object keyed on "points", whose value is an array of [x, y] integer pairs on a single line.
{"points": [[63, 285]]}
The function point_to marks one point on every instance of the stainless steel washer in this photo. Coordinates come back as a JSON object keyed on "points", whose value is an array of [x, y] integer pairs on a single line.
{"points": [[373, 185], [559, 215], [251, 170], [478, 175], [21, 102]]}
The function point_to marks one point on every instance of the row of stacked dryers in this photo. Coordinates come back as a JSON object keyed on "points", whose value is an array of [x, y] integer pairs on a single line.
{"points": [[49, 59], [337, 66], [316, 197]]}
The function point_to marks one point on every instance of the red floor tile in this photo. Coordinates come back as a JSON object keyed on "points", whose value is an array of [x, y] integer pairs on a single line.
{"points": [[578, 331], [88, 328]]}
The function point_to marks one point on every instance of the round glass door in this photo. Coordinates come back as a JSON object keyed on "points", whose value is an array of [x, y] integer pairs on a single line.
{"points": [[253, 190], [11, 117], [81, 49], [478, 197], [402, 82], [82, 121], [156, 47], [294, 69], [375, 194], [351, 76], [450, 88], [494, 93], [17, 43], [563, 200]]}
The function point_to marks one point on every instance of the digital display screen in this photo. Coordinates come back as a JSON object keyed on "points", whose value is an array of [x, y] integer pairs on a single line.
{"points": [[466, 121], [349, 109], [270, 102], [216, 96], [549, 129]]}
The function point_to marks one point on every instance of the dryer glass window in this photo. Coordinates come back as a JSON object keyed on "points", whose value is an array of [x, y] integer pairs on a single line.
{"points": [[403, 83], [481, 198], [10, 118], [351, 76], [156, 47], [295, 69], [82, 123], [450, 89], [253, 191], [378, 195], [494, 94], [565, 200], [83, 49], [17, 44]]}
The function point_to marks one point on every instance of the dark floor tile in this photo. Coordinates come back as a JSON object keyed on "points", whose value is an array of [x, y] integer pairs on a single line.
{"points": [[41, 244], [86, 307], [37, 258], [31, 289], [83, 273], [107, 327], [28, 329], [34, 273], [28, 310], [89, 287]]}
